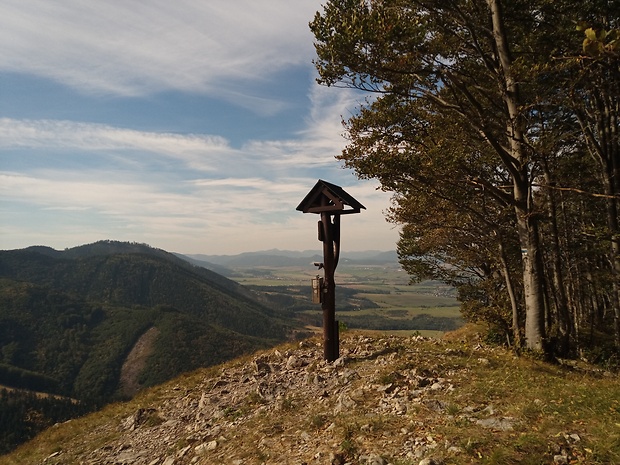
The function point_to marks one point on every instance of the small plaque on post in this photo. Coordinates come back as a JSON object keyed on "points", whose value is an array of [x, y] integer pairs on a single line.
{"points": [[317, 290]]}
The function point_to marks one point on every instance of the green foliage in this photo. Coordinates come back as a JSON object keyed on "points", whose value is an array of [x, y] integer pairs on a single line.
{"points": [[186, 343], [495, 126], [23, 414], [111, 341], [25, 379], [68, 320], [599, 42]]}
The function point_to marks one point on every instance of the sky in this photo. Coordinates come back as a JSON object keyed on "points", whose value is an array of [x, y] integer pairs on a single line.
{"points": [[192, 126]]}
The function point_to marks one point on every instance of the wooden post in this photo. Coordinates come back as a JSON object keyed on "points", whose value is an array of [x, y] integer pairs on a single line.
{"points": [[330, 349], [328, 199]]}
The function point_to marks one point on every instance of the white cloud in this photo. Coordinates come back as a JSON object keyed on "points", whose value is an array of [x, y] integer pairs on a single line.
{"points": [[70, 134], [133, 48], [241, 199], [71, 182], [227, 215], [201, 152], [322, 139], [314, 147]]}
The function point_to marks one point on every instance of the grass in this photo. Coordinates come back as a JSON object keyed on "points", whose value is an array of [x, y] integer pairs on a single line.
{"points": [[398, 312], [550, 409], [555, 410]]}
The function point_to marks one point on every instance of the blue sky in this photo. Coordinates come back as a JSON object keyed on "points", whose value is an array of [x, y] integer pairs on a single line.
{"points": [[192, 126]]}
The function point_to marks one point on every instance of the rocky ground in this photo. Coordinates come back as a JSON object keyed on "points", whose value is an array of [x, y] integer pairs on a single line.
{"points": [[380, 403]]}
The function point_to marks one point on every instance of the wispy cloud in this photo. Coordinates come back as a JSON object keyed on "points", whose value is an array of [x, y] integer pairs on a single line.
{"points": [[256, 188], [132, 48], [321, 139], [91, 136], [315, 146], [200, 152], [74, 181]]}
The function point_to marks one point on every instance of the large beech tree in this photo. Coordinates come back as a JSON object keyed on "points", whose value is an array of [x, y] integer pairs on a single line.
{"points": [[469, 131]]}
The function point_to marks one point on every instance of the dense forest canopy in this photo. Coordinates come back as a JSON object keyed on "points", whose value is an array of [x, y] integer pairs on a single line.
{"points": [[69, 320], [495, 125]]}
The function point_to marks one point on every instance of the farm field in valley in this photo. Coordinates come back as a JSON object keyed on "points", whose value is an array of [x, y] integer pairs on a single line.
{"points": [[370, 297]]}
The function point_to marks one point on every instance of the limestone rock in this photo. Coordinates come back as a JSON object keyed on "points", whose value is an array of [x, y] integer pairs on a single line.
{"points": [[290, 406]]}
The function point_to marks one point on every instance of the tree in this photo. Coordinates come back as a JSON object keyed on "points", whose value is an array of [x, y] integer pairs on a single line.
{"points": [[468, 125], [596, 99]]}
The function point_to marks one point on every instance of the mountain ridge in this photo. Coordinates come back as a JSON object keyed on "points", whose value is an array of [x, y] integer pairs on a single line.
{"points": [[276, 257], [222, 264], [69, 320]]}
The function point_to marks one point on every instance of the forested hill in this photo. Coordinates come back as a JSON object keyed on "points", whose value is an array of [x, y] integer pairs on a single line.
{"points": [[69, 319], [108, 248]]}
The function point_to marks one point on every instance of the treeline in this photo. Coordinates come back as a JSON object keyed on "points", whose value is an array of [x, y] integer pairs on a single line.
{"points": [[497, 127], [24, 379], [23, 414], [131, 279], [51, 342]]}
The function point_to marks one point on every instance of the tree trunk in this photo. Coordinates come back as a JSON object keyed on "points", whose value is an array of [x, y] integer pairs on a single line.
{"points": [[527, 222], [514, 304], [532, 281], [614, 230], [555, 267]]}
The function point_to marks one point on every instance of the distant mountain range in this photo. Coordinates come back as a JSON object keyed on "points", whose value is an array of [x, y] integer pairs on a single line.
{"points": [[278, 258], [97, 322]]}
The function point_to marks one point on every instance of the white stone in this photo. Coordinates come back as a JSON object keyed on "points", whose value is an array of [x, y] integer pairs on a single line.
{"points": [[205, 447], [293, 362], [203, 401]]}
